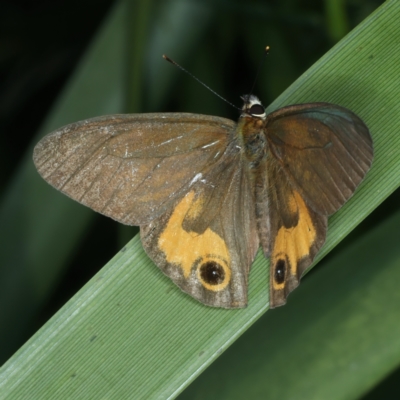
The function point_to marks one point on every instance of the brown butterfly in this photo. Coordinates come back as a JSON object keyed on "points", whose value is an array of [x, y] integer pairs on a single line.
{"points": [[207, 191]]}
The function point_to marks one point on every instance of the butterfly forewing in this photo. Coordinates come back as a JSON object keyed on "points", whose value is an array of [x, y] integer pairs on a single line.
{"points": [[324, 149], [131, 167]]}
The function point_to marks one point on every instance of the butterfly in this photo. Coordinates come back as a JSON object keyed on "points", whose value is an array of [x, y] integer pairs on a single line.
{"points": [[207, 192]]}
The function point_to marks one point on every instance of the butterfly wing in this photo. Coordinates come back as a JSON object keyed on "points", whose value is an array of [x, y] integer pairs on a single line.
{"points": [[132, 168], [297, 234], [324, 149], [179, 176], [207, 242], [318, 155]]}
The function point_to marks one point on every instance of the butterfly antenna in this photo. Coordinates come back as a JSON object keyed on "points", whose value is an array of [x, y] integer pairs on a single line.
{"points": [[266, 52], [198, 80]]}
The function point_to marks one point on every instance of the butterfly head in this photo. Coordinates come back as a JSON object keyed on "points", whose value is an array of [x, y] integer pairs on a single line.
{"points": [[252, 107]]}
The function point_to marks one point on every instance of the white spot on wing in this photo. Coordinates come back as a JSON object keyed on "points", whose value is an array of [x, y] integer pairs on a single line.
{"points": [[170, 140], [195, 179], [210, 144], [167, 141]]}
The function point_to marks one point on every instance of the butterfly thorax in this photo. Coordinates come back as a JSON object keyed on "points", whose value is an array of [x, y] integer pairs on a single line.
{"points": [[250, 130]]}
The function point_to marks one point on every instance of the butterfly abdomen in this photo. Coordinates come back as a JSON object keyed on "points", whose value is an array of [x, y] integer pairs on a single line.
{"points": [[254, 149]]}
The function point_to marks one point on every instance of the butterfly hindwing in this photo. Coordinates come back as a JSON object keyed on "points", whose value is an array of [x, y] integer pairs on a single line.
{"points": [[297, 233], [207, 242]]}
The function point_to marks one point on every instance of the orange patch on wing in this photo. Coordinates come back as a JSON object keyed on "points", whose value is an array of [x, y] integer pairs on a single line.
{"points": [[184, 248], [294, 243]]}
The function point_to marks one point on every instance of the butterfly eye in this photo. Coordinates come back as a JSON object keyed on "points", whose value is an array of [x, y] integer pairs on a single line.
{"points": [[257, 109]]}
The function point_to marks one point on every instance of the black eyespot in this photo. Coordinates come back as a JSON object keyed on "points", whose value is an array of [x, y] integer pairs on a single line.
{"points": [[212, 273], [280, 271], [257, 109]]}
